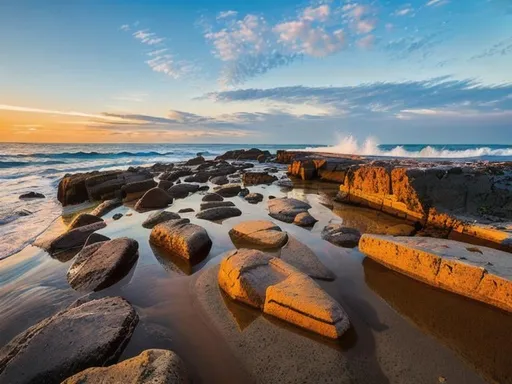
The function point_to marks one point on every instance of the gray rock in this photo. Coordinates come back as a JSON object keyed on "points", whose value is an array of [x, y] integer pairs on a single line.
{"points": [[213, 197], [181, 191], [254, 198], [32, 195], [91, 334], [75, 238], [153, 366], [153, 199], [228, 190], [243, 192], [106, 207], [196, 161], [219, 180], [203, 188], [159, 217], [186, 210], [136, 189], [102, 264], [95, 238], [219, 213], [216, 204], [305, 260], [286, 209], [84, 219], [341, 236], [304, 219], [165, 184], [200, 177], [117, 216]]}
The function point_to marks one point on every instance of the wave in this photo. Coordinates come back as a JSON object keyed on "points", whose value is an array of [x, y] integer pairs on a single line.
{"points": [[14, 164], [106, 155], [349, 145]]}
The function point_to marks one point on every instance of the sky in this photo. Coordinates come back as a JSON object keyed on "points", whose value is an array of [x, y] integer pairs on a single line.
{"points": [[261, 71]]}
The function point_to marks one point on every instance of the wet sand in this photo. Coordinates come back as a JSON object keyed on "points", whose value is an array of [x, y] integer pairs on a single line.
{"points": [[402, 331]]}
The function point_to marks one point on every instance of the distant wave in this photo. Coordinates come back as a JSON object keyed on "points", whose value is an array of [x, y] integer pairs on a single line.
{"points": [[13, 164], [105, 155], [349, 145]]}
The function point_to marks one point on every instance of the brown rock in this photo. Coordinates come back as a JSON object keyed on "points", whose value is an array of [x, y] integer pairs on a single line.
{"points": [[84, 219], [255, 178], [165, 184], [228, 190], [212, 197], [182, 190], [216, 204], [75, 238], [304, 259], [341, 236], [153, 199], [106, 207], [196, 161], [286, 209], [159, 217], [304, 219], [254, 198], [218, 213], [260, 233], [137, 189]]}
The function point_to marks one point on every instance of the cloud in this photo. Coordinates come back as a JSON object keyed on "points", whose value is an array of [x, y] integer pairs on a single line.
{"points": [[501, 48], [404, 10], [147, 37], [366, 42], [414, 47], [386, 98], [226, 14], [437, 3], [124, 27], [16, 108]]}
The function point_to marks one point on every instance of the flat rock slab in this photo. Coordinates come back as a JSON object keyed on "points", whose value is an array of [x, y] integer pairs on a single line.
{"points": [[153, 199], [477, 272], [102, 264], [218, 213], [82, 336], [216, 204], [106, 207], [341, 236], [159, 217], [153, 366], [188, 241], [270, 284], [228, 190], [260, 233], [286, 209], [182, 190], [75, 237], [212, 197], [84, 219], [305, 260]]}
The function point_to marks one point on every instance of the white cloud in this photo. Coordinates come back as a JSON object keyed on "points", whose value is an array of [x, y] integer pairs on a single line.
{"points": [[320, 13], [124, 27], [147, 37], [158, 52], [365, 26], [226, 14], [406, 10], [366, 42], [437, 3]]}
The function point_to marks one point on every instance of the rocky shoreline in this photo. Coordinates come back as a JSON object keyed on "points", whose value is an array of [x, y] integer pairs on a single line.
{"points": [[265, 263]]}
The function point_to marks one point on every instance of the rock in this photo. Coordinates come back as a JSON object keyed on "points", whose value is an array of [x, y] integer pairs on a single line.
{"points": [[200, 177], [203, 188], [260, 233], [285, 182], [243, 192], [271, 197], [286, 209], [216, 204], [153, 366], [255, 178], [186, 210], [83, 219], [102, 264], [79, 337], [228, 190], [175, 175], [196, 161], [165, 184], [241, 154], [153, 199], [181, 191], [254, 198], [159, 217], [188, 241], [261, 158], [212, 197], [218, 213], [108, 185], [135, 190], [476, 272], [106, 207], [277, 288], [304, 219], [32, 195], [117, 216], [401, 230], [341, 236], [219, 180], [95, 238], [75, 238], [304, 259]]}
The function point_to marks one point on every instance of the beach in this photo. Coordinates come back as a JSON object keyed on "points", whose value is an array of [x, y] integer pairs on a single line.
{"points": [[403, 329]]}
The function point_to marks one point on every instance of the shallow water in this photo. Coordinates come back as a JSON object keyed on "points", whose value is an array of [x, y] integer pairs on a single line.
{"points": [[402, 331]]}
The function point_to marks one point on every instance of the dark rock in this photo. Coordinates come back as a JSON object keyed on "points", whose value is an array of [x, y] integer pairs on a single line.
{"points": [[243, 192], [186, 210], [256, 178], [216, 204], [84, 219], [213, 197], [203, 188], [159, 217], [175, 175], [270, 197], [219, 180], [261, 158], [241, 154], [75, 238], [165, 184], [117, 216], [304, 219], [286, 209], [196, 161], [228, 190], [341, 236], [153, 199], [136, 189], [32, 195], [106, 207], [199, 177], [254, 198], [218, 213], [181, 191], [95, 238], [88, 335]]}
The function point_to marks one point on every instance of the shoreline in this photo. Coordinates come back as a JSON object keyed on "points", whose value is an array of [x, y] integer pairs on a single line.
{"points": [[166, 298]]}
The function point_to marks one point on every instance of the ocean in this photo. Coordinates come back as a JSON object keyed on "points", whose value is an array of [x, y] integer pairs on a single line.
{"points": [[39, 167]]}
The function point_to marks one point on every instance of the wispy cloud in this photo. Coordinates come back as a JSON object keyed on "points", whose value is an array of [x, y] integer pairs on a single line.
{"points": [[226, 14], [404, 10], [149, 38], [437, 3], [501, 48]]}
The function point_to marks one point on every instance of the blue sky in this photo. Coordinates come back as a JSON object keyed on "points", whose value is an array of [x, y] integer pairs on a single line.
{"points": [[422, 71]]}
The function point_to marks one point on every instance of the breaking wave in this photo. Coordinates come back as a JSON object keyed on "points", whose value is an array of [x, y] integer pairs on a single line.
{"points": [[349, 145]]}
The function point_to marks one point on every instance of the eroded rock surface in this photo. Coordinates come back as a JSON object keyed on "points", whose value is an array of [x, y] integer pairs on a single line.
{"points": [[106, 207], [75, 238], [286, 209], [83, 336], [256, 178], [254, 198], [228, 190], [341, 236], [135, 190], [260, 233], [153, 199], [159, 217], [218, 213], [182, 190], [212, 197], [277, 288], [216, 204]]}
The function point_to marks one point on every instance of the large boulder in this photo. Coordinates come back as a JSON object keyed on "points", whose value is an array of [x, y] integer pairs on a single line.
{"points": [[153, 199], [135, 190], [182, 190], [219, 180], [277, 288], [196, 160], [188, 241], [228, 190], [341, 236], [259, 233], [218, 213], [84, 335], [216, 204], [159, 217], [84, 219], [165, 184], [106, 207], [286, 209], [476, 272], [153, 366], [255, 178], [74, 238], [102, 264], [212, 197], [242, 154]]}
